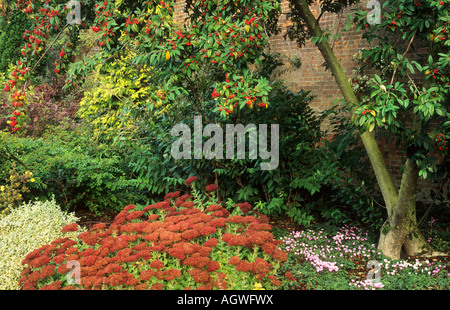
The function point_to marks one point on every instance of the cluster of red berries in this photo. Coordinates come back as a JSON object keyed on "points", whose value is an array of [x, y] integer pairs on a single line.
{"points": [[441, 142], [368, 111]]}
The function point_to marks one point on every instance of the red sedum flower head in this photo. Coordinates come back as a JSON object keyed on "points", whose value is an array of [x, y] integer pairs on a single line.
{"points": [[211, 187], [189, 180], [157, 264]]}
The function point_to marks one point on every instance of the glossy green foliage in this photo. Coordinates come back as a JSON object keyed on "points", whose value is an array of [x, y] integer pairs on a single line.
{"points": [[408, 100]]}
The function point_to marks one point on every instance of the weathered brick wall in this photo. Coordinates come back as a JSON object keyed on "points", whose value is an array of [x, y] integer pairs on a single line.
{"points": [[312, 76]]}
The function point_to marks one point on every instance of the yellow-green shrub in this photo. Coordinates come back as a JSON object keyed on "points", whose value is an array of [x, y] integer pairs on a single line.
{"points": [[27, 228], [11, 193], [115, 90]]}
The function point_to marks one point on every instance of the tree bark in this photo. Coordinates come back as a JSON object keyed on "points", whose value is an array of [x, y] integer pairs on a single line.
{"points": [[400, 205], [415, 243], [373, 151], [391, 241], [403, 237], [400, 231]]}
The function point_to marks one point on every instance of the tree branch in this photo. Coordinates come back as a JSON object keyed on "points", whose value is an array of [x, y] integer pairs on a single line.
{"points": [[383, 176], [406, 51], [13, 157]]}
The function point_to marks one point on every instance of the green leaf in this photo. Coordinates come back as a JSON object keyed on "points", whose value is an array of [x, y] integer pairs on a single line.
{"points": [[410, 67], [378, 79]]}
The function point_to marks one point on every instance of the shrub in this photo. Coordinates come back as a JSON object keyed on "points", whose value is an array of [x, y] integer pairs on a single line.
{"points": [[79, 172], [182, 242], [287, 188], [25, 229], [11, 193], [11, 41], [349, 192], [46, 106], [11, 38], [148, 134], [49, 106]]}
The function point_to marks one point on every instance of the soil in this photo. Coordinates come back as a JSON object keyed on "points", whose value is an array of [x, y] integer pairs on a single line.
{"points": [[88, 218]]}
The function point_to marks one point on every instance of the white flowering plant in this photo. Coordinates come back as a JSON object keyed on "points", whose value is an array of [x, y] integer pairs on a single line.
{"points": [[25, 229]]}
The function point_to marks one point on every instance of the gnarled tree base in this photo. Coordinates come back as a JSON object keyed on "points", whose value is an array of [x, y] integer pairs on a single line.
{"points": [[416, 245], [393, 241]]}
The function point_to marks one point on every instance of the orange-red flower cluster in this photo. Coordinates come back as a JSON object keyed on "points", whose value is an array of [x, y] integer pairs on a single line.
{"points": [[167, 240]]}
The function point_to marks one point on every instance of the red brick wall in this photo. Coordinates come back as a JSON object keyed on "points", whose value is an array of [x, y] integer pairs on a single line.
{"points": [[179, 8], [312, 75]]}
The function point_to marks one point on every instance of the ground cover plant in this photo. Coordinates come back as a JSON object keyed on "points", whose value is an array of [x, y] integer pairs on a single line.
{"points": [[182, 242], [346, 258], [25, 229], [317, 258]]}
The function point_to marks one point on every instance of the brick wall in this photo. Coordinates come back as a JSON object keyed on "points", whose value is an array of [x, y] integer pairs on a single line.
{"points": [[312, 76]]}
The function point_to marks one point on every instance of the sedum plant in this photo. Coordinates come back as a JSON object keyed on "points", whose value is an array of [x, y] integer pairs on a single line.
{"points": [[25, 229], [183, 242]]}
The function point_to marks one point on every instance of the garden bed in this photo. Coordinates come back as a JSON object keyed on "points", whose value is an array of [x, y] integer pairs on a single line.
{"points": [[356, 269]]}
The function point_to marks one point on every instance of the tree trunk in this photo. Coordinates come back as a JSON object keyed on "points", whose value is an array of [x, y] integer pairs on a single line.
{"points": [[391, 241], [400, 228], [400, 205], [383, 176], [415, 243], [405, 237]]}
